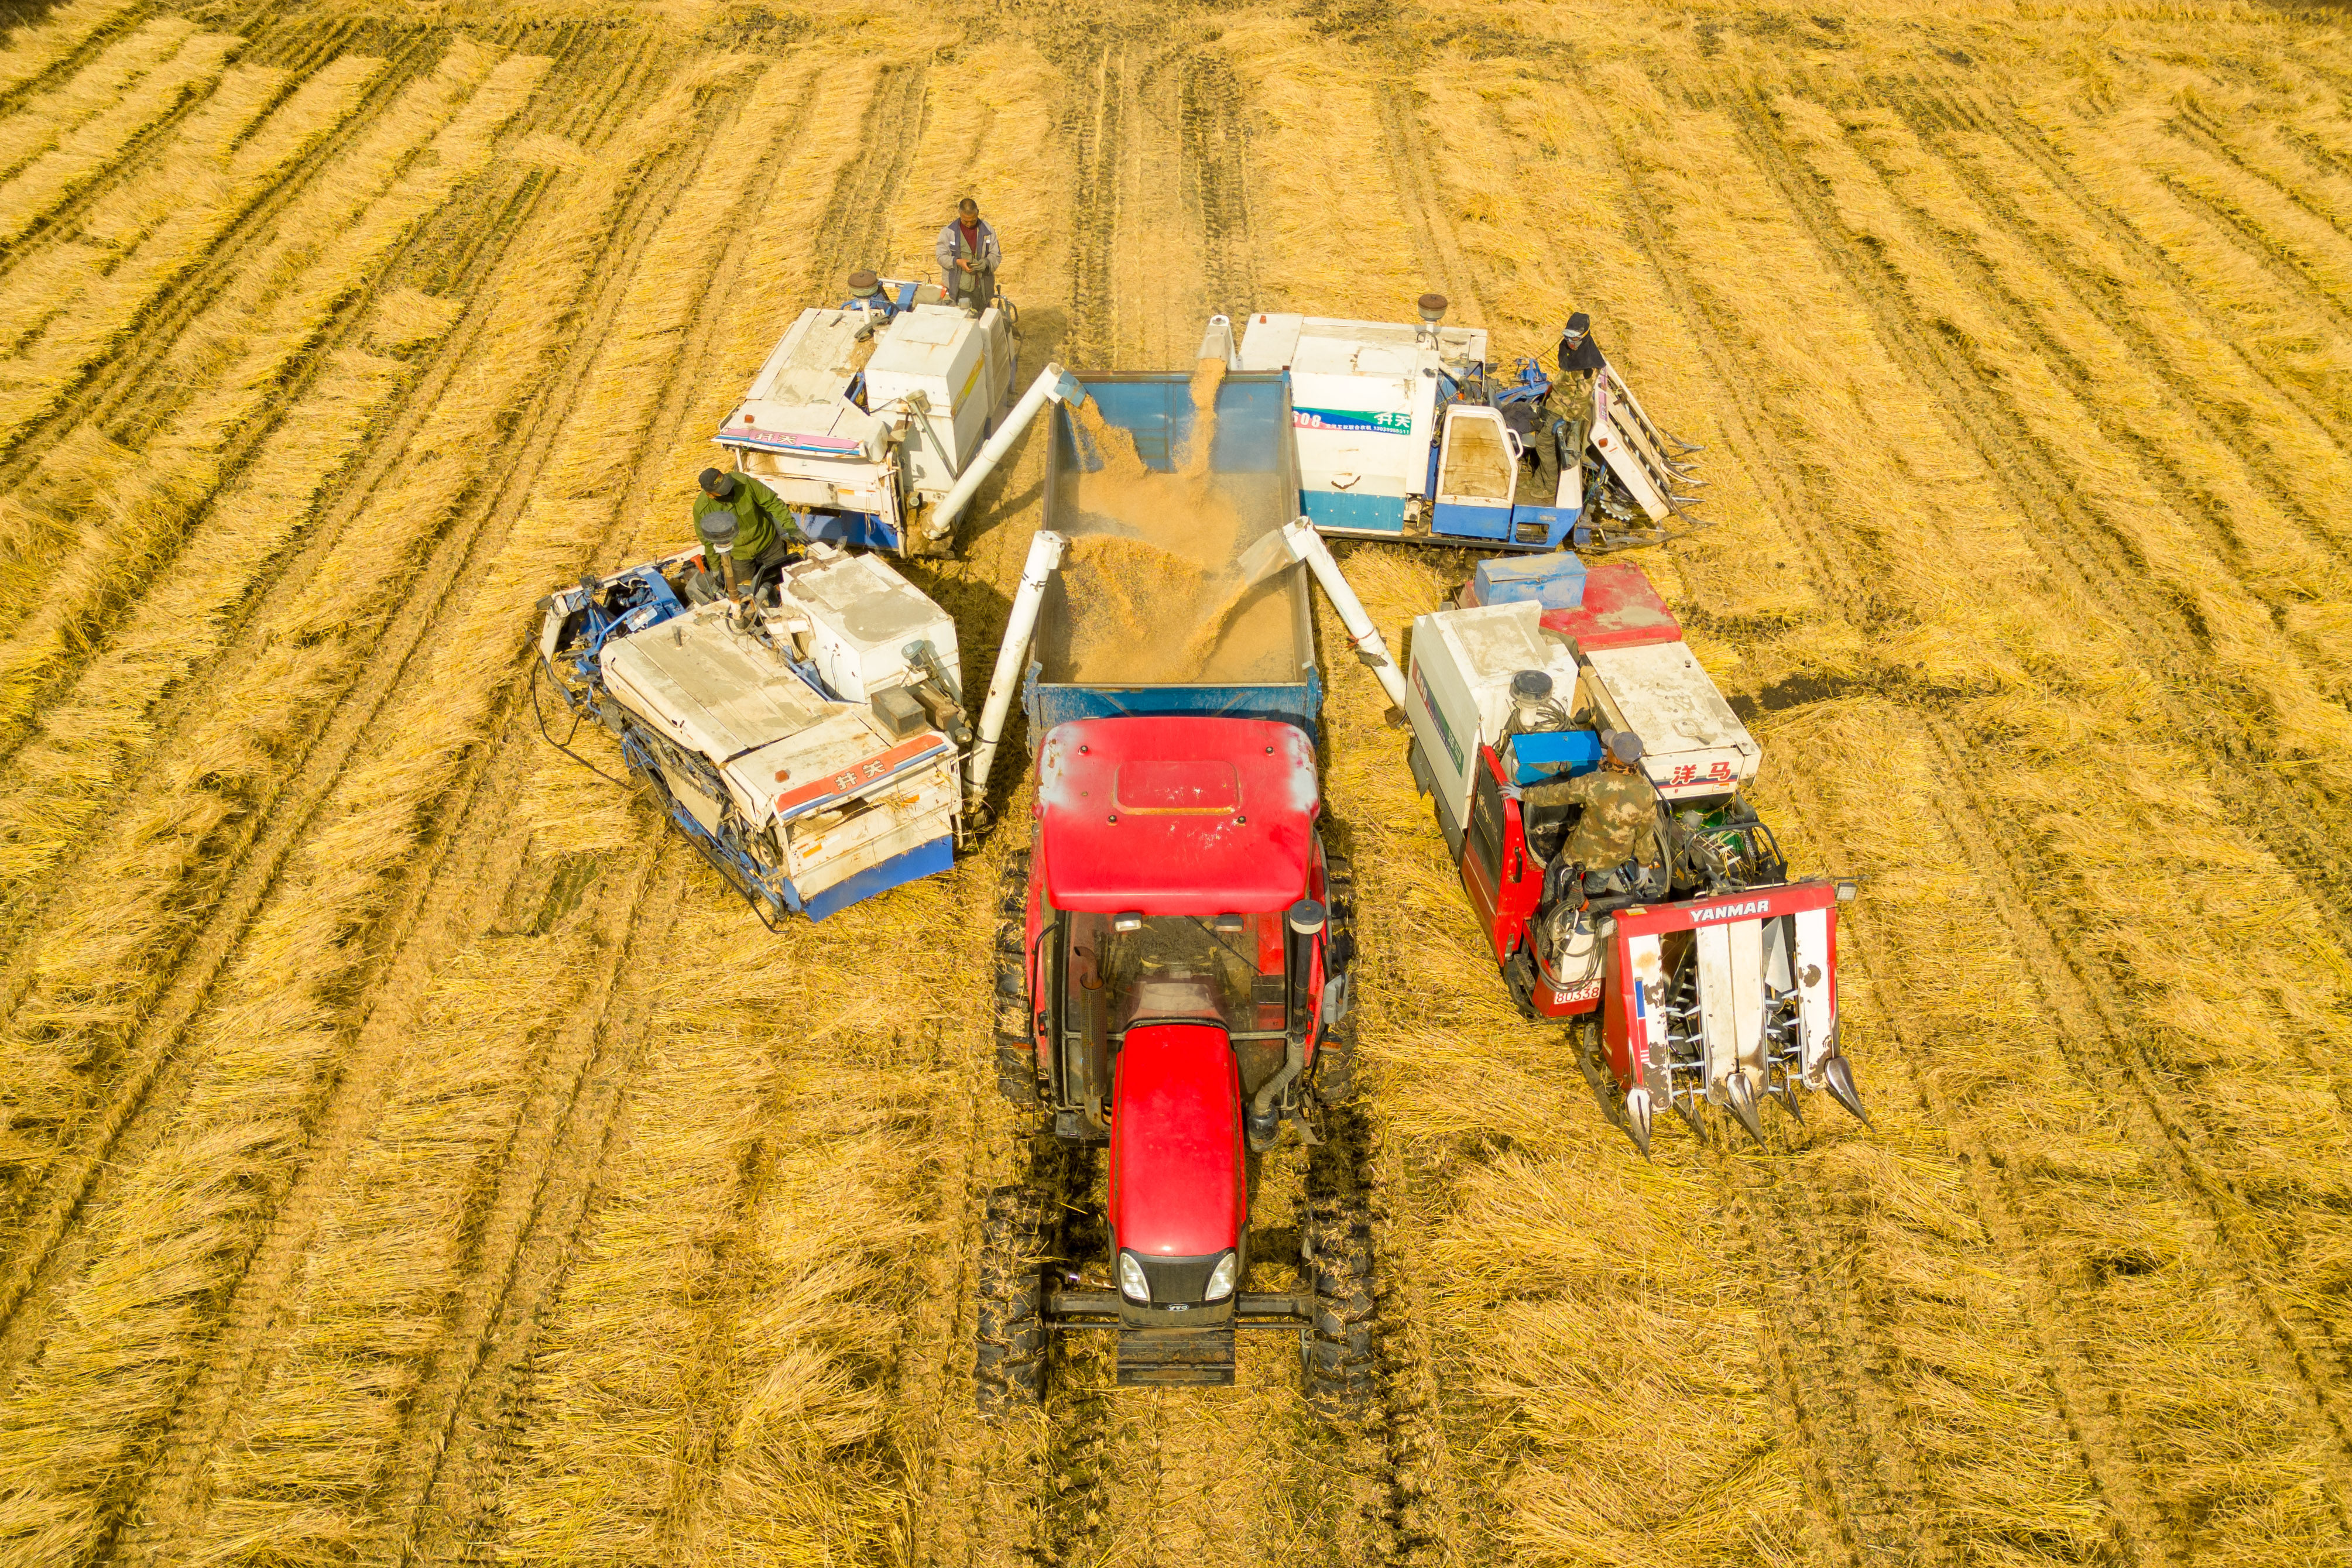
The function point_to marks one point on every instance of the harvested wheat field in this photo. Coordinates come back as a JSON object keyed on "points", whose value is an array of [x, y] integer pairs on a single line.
{"points": [[415, 1154]]}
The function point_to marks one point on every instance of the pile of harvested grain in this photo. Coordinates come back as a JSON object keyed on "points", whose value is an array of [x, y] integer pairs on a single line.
{"points": [[1154, 594]]}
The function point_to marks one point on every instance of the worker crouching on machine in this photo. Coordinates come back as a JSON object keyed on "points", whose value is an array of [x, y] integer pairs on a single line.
{"points": [[1612, 854], [745, 528]]}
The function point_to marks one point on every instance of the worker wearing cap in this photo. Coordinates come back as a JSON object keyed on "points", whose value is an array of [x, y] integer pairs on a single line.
{"points": [[968, 257], [738, 517], [1619, 828]]}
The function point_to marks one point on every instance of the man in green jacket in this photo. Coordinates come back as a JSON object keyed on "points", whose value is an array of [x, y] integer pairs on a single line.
{"points": [[742, 520]]}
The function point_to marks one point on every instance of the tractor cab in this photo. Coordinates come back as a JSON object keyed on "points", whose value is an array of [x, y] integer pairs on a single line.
{"points": [[1184, 975]]}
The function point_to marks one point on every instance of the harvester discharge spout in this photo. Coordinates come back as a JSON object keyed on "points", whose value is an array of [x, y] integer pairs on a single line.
{"points": [[1053, 384]]}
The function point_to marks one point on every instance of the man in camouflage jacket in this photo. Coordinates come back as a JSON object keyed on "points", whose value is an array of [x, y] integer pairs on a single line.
{"points": [[1620, 822]]}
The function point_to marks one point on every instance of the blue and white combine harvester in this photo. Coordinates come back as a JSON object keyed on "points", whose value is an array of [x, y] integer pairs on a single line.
{"points": [[804, 735], [1404, 434]]}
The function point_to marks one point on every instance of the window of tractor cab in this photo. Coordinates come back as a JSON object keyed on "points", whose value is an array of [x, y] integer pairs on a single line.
{"points": [[1230, 968]]}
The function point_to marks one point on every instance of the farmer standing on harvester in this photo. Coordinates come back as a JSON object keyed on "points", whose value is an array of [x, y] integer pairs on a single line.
{"points": [[968, 257]]}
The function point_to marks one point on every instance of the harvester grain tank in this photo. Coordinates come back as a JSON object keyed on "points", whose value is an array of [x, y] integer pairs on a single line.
{"points": [[865, 416], [804, 735], [1711, 983], [1176, 954], [1405, 434]]}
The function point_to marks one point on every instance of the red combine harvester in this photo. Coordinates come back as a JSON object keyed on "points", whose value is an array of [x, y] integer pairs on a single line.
{"points": [[1706, 978], [1173, 963]]}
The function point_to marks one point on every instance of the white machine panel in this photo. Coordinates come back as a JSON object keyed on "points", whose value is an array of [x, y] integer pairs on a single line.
{"points": [[862, 616], [960, 365], [1463, 662], [1693, 745], [1363, 395]]}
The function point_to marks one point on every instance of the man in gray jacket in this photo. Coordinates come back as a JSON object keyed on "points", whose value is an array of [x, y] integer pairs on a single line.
{"points": [[968, 257]]}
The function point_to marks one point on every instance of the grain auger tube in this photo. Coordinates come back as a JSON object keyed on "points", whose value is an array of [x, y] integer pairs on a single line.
{"points": [[1053, 384]]}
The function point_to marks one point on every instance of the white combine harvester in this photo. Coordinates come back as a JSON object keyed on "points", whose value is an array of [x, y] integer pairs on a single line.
{"points": [[865, 416], [804, 735], [1404, 434]]}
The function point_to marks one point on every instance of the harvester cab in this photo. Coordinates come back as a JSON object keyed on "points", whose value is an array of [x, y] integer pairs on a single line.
{"points": [[805, 738], [1405, 434], [1706, 978], [866, 414]]}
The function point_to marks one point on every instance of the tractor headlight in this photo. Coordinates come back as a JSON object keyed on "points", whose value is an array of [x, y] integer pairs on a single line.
{"points": [[1221, 1277], [1132, 1282]]}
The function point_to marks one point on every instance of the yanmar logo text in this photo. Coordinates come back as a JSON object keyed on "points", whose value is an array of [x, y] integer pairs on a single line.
{"points": [[1732, 910]]}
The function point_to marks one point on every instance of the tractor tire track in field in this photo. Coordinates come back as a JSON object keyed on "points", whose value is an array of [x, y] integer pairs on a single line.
{"points": [[240, 1353], [2090, 1407], [437, 1484], [2242, 230], [2230, 435], [74, 59], [238, 1357], [2301, 1340], [155, 1072], [289, 44], [2201, 129], [1828, 1357], [1938, 113], [433, 1486], [116, 381], [1214, 146], [2072, 536], [1095, 130], [1414, 173]]}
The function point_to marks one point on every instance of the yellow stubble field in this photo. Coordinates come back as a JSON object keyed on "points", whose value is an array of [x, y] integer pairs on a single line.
{"points": [[412, 1153]]}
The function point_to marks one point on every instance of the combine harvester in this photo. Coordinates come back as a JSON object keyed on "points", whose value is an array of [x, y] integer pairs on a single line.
{"points": [[1404, 434], [865, 416], [1176, 957], [803, 731], [1718, 987]]}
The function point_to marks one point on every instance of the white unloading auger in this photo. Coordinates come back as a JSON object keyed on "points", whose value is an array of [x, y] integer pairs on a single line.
{"points": [[1053, 384], [1298, 541], [1012, 658]]}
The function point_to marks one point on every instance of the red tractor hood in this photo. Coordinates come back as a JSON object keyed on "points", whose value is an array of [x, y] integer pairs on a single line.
{"points": [[1176, 1174], [1175, 815]]}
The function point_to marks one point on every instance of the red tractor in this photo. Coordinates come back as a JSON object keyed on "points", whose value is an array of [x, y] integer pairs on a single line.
{"points": [[1173, 985]]}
